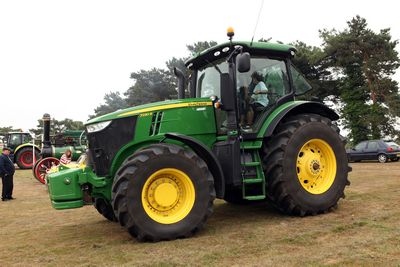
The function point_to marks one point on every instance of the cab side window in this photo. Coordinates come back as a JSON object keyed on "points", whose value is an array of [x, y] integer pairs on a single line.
{"points": [[15, 139], [26, 138], [300, 84]]}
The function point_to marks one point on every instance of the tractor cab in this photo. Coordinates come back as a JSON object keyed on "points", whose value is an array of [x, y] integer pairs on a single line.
{"points": [[14, 139], [270, 62]]}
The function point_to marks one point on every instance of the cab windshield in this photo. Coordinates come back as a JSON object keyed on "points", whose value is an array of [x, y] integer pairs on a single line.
{"points": [[208, 79], [272, 72]]}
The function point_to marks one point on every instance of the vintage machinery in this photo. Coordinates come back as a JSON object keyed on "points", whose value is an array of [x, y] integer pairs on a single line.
{"points": [[157, 168], [54, 146]]}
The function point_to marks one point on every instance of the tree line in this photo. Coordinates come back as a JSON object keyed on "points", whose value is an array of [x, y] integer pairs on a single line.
{"points": [[352, 69]]}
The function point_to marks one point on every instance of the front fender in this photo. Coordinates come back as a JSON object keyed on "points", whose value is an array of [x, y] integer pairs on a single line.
{"points": [[206, 154]]}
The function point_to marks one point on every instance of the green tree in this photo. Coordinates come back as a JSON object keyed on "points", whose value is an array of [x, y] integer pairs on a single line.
{"points": [[200, 46], [150, 86], [365, 61], [8, 129], [113, 101], [68, 124], [313, 64], [57, 126], [160, 84]]}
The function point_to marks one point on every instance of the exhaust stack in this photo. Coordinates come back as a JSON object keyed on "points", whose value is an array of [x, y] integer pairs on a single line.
{"points": [[46, 143]]}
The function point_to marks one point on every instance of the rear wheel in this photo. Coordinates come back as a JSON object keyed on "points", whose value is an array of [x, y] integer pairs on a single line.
{"points": [[163, 192], [24, 158], [382, 158], [306, 165], [42, 167]]}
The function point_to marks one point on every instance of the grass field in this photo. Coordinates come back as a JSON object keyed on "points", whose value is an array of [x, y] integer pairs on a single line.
{"points": [[363, 231]]}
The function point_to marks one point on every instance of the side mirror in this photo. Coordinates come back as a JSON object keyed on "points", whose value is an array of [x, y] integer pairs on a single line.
{"points": [[243, 62]]}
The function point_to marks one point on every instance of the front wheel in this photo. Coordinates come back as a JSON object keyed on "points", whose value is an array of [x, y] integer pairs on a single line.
{"points": [[42, 167], [163, 192], [105, 209], [306, 165]]}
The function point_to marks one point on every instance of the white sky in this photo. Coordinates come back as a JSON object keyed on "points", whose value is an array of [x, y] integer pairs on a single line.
{"points": [[62, 57]]}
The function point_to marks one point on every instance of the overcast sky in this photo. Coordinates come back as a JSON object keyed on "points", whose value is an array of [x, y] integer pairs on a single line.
{"points": [[62, 57]]}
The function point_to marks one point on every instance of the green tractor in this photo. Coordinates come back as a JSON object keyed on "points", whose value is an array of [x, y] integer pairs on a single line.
{"points": [[54, 146], [22, 148], [157, 168]]}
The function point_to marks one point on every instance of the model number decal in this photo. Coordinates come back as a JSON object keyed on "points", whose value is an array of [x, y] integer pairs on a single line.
{"points": [[145, 114]]}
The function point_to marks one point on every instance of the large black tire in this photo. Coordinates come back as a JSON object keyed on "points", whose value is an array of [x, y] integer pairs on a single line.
{"points": [[306, 165], [163, 192], [105, 209]]}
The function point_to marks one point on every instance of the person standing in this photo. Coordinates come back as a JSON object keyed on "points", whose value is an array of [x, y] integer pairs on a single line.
{"points": [[7, 170]]}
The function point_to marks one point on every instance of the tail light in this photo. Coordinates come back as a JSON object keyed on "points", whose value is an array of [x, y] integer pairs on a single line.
{"points": [[389, 149]]}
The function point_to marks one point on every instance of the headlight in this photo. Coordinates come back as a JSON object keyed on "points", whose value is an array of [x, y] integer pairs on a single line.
{"points": [[97, 126]]}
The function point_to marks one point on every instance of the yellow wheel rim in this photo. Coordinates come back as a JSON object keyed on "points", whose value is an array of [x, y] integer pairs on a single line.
{"points": [[316, 166], [168, 196]]}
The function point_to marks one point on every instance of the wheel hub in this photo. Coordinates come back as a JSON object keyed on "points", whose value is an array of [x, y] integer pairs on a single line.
{"points": [[168, 195], [316, 166], [165, 194]]}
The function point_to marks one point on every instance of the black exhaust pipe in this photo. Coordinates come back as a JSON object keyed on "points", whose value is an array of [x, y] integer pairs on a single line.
{"points": [[181, 82], [46, 143]]}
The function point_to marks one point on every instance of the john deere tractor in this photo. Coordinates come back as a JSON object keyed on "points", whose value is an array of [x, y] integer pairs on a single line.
{"points": [[157, 168]]}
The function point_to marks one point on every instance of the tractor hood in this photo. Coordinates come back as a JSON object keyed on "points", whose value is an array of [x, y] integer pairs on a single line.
{"points": [[151, 107]]}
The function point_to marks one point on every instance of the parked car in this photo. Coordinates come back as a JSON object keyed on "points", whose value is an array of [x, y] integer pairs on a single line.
{"points": [[374, 150]]}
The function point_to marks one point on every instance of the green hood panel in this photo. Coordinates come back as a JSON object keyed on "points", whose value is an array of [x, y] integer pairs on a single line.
{"points": [[152, 107]]}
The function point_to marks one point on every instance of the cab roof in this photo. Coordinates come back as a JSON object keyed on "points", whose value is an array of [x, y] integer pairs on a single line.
{"points": [[254, 48]]}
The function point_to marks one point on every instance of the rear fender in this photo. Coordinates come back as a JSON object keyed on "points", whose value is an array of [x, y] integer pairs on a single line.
{"points": [[295, 108], [18, 148]]}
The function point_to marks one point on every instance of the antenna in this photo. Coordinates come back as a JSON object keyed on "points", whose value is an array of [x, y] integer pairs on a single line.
{"points": [[258, 19]]}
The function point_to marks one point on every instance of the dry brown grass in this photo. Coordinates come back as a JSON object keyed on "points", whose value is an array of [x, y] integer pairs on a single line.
{"points": [[364, 230]]}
